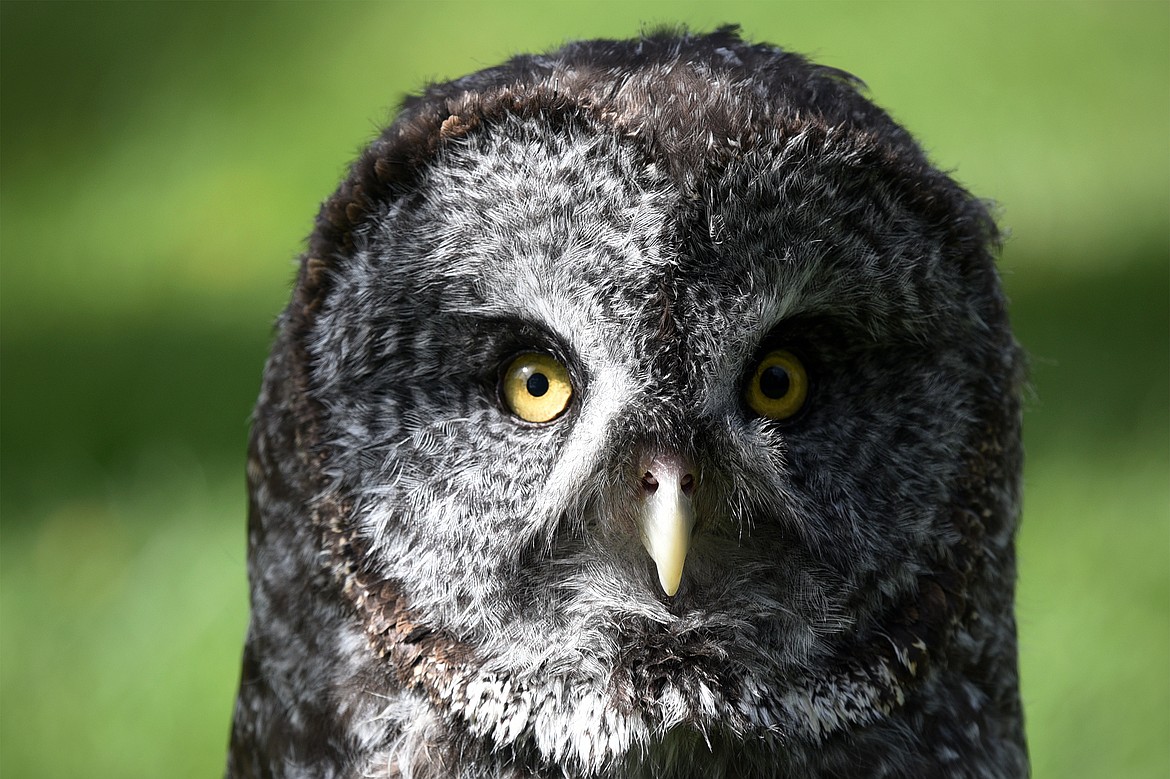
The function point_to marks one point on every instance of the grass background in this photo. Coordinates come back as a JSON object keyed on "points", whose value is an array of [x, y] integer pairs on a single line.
{"points": [[162, 163]]}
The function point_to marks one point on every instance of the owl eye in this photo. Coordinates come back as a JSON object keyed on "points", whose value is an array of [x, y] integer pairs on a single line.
{"points": [[778, 386], [536, 387]]}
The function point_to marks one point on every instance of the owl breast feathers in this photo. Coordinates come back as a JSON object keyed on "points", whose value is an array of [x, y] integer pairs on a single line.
{"points": [[643, 409]]}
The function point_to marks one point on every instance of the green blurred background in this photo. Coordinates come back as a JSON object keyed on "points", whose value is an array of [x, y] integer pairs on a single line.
{"points": [[162, 163]]}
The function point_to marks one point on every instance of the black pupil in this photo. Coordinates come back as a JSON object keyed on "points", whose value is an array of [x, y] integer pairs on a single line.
{"points": [[537, 384], [773, 382]]}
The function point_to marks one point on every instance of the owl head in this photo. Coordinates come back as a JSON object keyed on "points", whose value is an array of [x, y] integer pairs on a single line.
{"points": [[643, 405]]}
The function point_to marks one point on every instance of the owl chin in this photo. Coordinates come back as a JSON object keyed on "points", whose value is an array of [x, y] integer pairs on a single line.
{"points": [[669, 689], [660, 710]]}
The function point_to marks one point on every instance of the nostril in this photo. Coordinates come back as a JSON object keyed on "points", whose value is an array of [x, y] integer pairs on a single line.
{"points": [[687, 484], [649, 483]]}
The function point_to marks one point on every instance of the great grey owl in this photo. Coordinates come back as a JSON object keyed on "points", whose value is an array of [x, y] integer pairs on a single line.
{"points": [[643, 409]]}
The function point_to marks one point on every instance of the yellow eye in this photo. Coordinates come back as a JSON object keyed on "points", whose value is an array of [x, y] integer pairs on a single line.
{"points": [[536, 387], [779, 385]]}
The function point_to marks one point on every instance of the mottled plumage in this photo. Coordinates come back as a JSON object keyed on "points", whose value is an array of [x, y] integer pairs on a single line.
{"points": [[443, 589]]}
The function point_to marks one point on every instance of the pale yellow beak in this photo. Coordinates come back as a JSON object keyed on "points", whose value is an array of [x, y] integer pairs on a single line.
{"points": [[667, 519]]}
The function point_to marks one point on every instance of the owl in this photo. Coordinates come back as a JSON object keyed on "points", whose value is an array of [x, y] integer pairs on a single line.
{"points": [[642, 409]]}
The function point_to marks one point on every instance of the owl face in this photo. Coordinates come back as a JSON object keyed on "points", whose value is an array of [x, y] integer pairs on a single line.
{"points": [[636, 413], [669, 327]]}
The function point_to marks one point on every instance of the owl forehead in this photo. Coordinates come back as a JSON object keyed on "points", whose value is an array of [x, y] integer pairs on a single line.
{"points": [[582, 231]]}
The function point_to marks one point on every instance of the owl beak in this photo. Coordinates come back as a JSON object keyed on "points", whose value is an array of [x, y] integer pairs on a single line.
{"points": [[667, 518]]}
